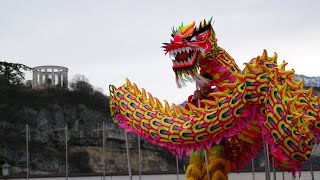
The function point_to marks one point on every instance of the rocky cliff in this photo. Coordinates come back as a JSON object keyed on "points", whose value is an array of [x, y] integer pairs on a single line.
{"points": [[46, 120]]}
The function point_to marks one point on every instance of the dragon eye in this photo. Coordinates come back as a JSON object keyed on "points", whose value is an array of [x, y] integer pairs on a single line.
{"points": [[193, 39]]}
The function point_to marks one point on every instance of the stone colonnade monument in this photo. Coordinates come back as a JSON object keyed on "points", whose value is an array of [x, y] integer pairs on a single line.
{"points": [[49, 76]]}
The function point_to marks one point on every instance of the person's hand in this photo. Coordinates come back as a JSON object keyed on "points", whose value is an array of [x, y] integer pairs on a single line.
{"points": [[196, 95]]}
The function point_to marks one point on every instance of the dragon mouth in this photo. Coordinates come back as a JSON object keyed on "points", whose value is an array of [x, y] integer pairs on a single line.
{"points": [[184, 57]]}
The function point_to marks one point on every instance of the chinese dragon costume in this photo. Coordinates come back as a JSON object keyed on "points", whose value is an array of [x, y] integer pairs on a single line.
{"points": [[262, 101]]}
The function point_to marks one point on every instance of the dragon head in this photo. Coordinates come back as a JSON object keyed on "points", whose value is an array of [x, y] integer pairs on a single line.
{"points": [[189, 45]]}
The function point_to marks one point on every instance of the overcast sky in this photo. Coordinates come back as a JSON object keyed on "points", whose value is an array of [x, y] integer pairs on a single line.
{"points": [[108, 41]]}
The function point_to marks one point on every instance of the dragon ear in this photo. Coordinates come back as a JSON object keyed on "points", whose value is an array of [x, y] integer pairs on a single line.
{"points": [[180, 27], [174, 31], [210, 21]]}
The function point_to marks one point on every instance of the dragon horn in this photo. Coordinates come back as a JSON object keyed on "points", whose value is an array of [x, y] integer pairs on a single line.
{"points": [[182, 110], [309, 91], [275, 58], [136, 89], [167, 108], [151, 100], [210, 20], [265, 54], [144, 95], [283, 66], [159, 105], [175, 110], [128, 83]]}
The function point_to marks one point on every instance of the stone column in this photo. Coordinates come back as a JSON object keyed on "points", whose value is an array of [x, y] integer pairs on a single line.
{"points": [[66, 78], [40, 78], [34, 78], [37, 78], [59, 78], [46, 78], [53, 78]]}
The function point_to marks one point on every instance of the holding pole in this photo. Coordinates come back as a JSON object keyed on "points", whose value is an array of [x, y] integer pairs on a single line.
{"points": [[266, 157], [104, 149], [205, 150], [207, 166], [128, 154], [66, 132], [252, 161], [139, 151], [27, 142], [311, 169], [177, 162]]}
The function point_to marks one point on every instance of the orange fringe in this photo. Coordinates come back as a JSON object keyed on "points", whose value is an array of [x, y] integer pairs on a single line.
{"points": [[193, 171], [218, 166]]}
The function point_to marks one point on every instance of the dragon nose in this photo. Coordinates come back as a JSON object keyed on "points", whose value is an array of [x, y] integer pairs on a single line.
{"points": [[177, 39]]}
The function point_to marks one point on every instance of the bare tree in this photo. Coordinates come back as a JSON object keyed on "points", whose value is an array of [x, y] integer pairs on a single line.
{"points": [[81, 84], [79, 77]]}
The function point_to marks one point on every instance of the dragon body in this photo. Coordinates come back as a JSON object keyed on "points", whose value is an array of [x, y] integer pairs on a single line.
{"points": [[262, 101]]}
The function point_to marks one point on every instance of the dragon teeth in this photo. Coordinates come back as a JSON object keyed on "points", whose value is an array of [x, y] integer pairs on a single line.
{"points": [[171, 55], [174, 53], [189, 60], [180, 50]]}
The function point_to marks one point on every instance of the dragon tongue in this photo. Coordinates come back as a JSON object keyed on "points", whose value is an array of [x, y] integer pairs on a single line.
{"points": [[182, 56]]}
